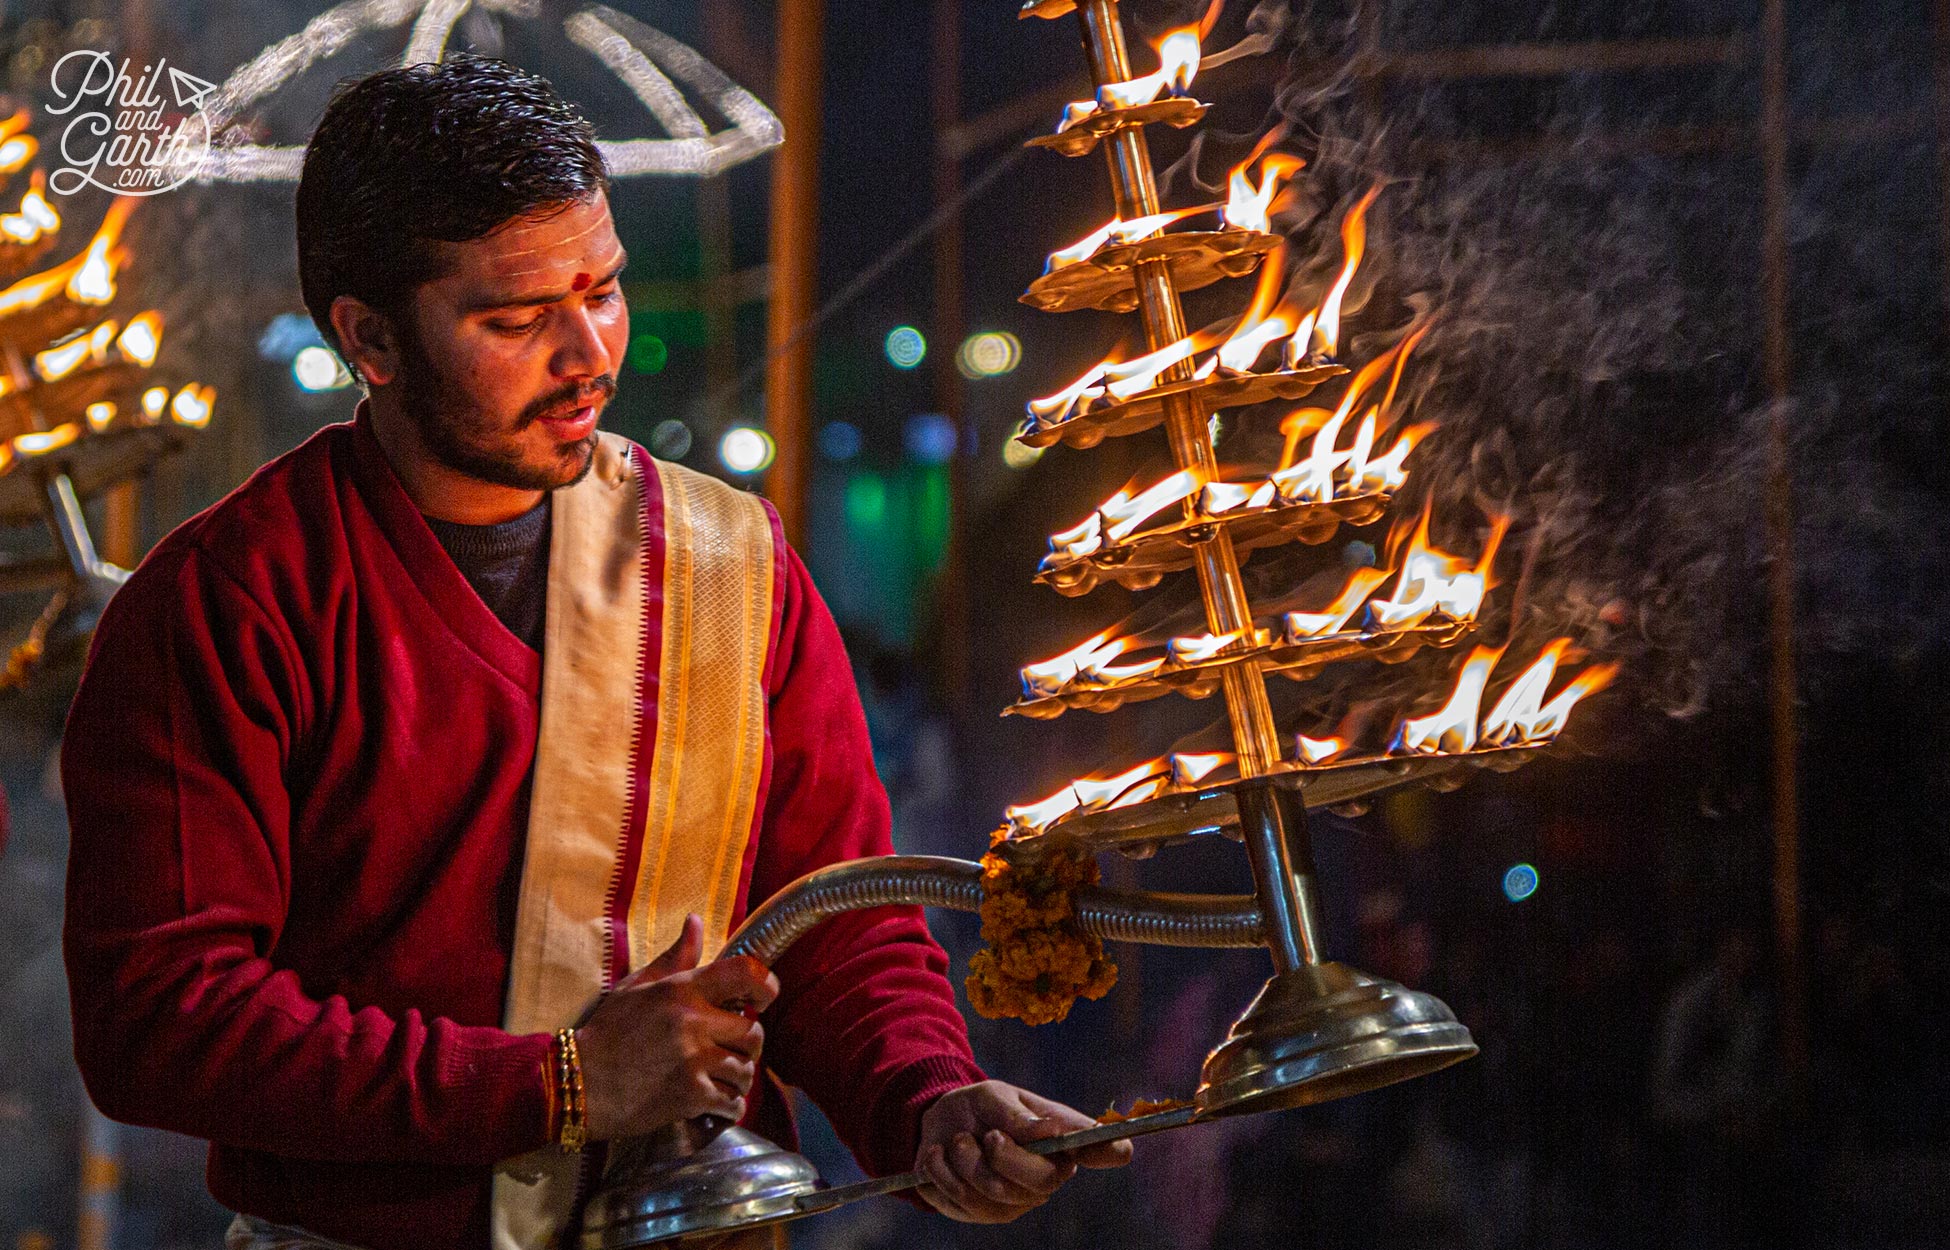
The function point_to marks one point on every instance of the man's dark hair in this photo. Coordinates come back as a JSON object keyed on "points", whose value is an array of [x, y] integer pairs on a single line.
{"points": [[443, 151]]}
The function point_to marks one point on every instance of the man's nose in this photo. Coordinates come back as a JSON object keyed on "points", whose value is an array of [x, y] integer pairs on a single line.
{"points": [[582, 352]]}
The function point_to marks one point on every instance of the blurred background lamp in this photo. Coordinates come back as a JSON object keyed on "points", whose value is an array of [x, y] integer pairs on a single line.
{"points": [[670, 440], [930, 438], [905, 347], [745, 450], [317, 369], [989, 354], [839, 440], [1519, 883]]}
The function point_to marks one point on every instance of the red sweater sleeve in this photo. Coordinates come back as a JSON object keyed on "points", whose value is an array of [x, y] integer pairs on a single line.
{"points": [[174, 765], [866, 1021]]}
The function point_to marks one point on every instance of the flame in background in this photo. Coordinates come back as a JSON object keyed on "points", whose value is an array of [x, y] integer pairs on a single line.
{"points": [[1354, 241], [1451, 729], [1249, 205], [1433, 581], [35, 217], [1522, 716]]}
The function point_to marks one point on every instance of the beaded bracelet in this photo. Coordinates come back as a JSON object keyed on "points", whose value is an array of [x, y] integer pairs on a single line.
{"points": [[568, 1083]]}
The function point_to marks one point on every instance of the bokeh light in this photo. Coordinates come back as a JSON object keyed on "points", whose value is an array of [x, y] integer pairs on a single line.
{"points": [[317, 369], [745, 450], [671, 440], [1520, 882], [1020, 455], [930, 438], [839, 440], [647, 354], [906, 347], [989, 354]]}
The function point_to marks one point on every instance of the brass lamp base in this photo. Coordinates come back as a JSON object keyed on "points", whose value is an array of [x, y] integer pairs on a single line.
{"points": [[1324, 1031], [693, 1179]]}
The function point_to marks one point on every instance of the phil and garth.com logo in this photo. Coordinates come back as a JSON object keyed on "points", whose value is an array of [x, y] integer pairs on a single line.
{"points": [[131, 140]]}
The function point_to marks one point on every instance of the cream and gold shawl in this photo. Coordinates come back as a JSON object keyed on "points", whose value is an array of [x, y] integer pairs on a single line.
{"points": [[661, 591]]}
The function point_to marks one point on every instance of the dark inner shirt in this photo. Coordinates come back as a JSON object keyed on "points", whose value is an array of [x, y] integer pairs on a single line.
{"points": [[507, 565]]}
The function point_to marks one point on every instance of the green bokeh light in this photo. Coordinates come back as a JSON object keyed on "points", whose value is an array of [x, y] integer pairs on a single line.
{"points": [[648, 354]]}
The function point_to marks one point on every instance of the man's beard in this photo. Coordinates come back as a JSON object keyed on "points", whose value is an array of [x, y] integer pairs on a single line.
{"points": [[465, 439]]}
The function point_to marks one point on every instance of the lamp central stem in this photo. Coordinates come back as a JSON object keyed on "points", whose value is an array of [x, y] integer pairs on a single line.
{"points": [[1227, 611]]}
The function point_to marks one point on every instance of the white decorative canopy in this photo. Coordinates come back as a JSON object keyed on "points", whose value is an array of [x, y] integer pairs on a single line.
{"points": [[650, 63]]}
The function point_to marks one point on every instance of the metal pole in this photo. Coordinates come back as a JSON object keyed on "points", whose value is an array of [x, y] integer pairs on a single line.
{"points": [[794, 224], [1779, 507], [948, 328]]}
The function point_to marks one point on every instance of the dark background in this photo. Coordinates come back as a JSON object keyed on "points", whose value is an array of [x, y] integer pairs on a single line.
{"points": [[1585, 207]]}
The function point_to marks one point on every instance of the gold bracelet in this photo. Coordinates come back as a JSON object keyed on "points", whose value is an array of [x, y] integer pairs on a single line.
{"points": [[568, 1080]]}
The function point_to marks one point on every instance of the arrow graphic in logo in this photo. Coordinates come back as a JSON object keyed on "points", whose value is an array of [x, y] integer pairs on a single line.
{"points": [[189, 89]]}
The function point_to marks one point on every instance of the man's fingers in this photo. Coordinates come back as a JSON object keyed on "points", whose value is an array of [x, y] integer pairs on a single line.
{"points": [[970, 1206], [733, 1032], [735, 1072], [1034, 1177], [681, 957], [743, 981], [997, 1195], [1110, 1154]]}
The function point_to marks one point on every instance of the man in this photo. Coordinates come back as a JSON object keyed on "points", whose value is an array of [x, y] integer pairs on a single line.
{"points": [[463, 718]]}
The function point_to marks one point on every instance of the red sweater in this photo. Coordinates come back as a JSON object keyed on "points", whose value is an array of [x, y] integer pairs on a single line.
{"points": [[297, 774]]}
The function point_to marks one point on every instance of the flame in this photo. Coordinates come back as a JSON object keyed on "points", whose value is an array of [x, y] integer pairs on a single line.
{"points": [[40, 442], [1315, 750], [1259, 326], [1051, 675], [142, 339], [192, 405], [1219, 498], [1051, 409], [1312, 479], [1130, 377], [1189, 770], [93, 281], [59, 361], [1120, 231], [1354, 240], [1521, 716], [1452, 728], [17, 152], [1433, 581], [1092, 794], [1249, 207], [154, 400], [1041, 814], [1178, 54], [1331, 619], [35, 218], [1198, 647], [1122, 516], [100, 414]]}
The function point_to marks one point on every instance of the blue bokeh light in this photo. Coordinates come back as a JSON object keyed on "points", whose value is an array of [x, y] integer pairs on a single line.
{"points": [[1520, 882], [839, 440], [930, 438]]}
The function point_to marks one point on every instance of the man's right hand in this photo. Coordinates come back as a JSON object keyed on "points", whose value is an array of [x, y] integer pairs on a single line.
{"points": [[673, 1041]]}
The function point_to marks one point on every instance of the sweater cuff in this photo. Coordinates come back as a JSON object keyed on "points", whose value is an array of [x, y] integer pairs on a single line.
{"points": [[904, 1098], [512, 1085]]}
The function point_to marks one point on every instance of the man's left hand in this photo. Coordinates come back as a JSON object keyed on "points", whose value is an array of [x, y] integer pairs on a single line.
{"points": [[972, 1155]]}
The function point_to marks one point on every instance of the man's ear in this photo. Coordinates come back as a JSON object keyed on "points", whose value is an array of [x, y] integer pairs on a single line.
{"points": [[368, 340]]}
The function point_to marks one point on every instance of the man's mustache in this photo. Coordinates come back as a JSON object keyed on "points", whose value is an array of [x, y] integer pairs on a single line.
{"points": [[603, 387]]}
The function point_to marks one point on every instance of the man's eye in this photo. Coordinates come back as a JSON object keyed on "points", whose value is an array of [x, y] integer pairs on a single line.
{"points": [[525, 327], [610, 296]]}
